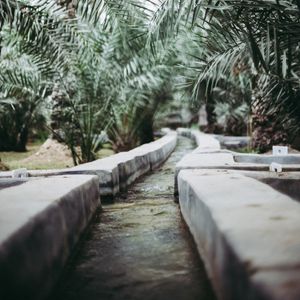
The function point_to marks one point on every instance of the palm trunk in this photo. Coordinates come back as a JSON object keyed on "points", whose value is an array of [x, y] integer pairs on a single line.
{"points": [[210, 113], [22, 140], [268, 130], [146, 129]]}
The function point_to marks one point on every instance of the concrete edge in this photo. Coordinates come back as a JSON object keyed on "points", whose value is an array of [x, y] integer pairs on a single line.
{"points": [[237, 258], [117, 172], [38, 238]]}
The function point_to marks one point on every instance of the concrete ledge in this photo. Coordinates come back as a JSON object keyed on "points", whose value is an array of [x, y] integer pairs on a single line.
{"points": [[214, 141], [225, 159], [246, 232], [233, 142], [184, 132], [105, 169], [118, 171], [159, 150], [206, 142], [41, 220]]}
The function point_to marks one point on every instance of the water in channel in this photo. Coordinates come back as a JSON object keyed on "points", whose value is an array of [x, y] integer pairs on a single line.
{"points": [[139, 248]]}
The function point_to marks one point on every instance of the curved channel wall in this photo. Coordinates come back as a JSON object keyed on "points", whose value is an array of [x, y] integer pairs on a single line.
{"points": [[244, 219], [120, 170], [205, 143], [41, 220], [209, 155], [42, 216]]}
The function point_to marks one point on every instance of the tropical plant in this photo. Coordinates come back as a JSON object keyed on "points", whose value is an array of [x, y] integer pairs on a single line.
{"points": [[255, 42], [31, 53], [110, 65], [23, 92]]}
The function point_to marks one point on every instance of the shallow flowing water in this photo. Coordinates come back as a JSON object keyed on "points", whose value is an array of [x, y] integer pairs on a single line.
{"points": [[139, 247]]}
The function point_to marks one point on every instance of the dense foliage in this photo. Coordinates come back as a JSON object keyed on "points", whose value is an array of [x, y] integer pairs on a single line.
{"points": [[112, 65], [90, 63], [248, 49]]}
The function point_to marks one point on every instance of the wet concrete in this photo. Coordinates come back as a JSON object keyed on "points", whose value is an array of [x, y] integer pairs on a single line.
{"points": [[139, 248]]}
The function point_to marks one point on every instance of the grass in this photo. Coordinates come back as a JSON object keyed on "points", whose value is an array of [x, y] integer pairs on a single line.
{"points": [[36, 165], [11, 158]]}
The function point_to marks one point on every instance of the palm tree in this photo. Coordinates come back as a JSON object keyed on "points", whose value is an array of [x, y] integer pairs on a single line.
{"points": [[104, 59], [92, 58], [256, 40], [32, 52]]}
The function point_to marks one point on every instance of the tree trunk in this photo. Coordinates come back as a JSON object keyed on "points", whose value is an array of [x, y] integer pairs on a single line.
{"points": [[146, 130], [22, 139]]}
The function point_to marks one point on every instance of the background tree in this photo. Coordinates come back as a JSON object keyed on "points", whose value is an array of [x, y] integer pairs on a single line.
{"points": [[253, 44]]}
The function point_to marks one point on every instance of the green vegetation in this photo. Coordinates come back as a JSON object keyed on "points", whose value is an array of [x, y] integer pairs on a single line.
{"points": [[93, 72], [248, 52]]}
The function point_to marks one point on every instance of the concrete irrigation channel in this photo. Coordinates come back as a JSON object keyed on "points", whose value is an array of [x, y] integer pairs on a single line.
{"points": [[138, 247]]}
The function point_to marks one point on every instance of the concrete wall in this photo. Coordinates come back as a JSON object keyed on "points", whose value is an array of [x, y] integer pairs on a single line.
{"points": [[41, 220], [244, 219], [215, 140], [205, 142], [118, 171], [209, 155], [246, 232]]}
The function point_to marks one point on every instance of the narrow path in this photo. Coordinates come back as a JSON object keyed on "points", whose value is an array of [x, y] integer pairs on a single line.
{"points": [[139, 249]]}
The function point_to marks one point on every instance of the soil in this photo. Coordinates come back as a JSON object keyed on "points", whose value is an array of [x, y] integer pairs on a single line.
{"points": [[3, 167], [50, 155]]}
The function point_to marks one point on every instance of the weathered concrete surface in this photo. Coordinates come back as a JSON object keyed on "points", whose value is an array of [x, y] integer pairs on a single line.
{"points": [[9, 182], [224, 159], [107, 171], [287, 183], [214, 141], [40, 222], [247, 234], [139, 249], [290, 159], [159, 150], [233, 142], [117, 172], [207, 142]]}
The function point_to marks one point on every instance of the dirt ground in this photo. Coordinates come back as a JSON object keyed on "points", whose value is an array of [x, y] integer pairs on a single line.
{"points": [[49, 155], [3, 167]]}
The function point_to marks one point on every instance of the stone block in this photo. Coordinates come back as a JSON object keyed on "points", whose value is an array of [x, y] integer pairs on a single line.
{"points": [[40, 222], [246, 232], [233, 142], [205, 141], [224, 159]]}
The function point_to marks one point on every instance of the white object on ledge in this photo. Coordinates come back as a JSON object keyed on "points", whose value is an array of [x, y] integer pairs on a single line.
{"points": [[280, 150], [20, 173], [275, 167]]}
